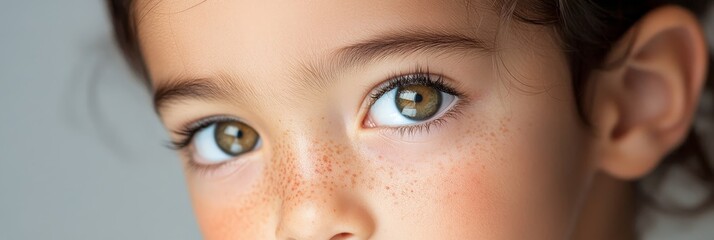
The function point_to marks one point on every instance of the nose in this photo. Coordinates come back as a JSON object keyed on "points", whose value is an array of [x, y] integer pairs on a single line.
{"points": [[334, 220], [319, 203]]}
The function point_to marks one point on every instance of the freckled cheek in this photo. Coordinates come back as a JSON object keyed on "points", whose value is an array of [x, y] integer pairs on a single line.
{"points": [[454, 195], [481, 187], [233, 207]]}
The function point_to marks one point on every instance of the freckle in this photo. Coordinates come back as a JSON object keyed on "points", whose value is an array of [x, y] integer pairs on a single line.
{"points": [[386, 187]]}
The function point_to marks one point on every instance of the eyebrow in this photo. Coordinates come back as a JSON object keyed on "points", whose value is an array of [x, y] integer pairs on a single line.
{"points": [[223, 87], [403, 43], [407, 43]]}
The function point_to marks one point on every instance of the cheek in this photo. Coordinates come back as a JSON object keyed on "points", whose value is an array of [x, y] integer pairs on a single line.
{"points": [[490, 180], [221, 221], [453, 187], [218, 217], [232, 207], [457, 192], [468, 197], [539, 171]]}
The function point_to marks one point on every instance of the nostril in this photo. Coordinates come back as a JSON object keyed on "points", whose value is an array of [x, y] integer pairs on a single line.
{"points": [[342, 236]]}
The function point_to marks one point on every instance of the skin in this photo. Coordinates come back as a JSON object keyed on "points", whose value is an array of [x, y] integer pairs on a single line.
{"points": [[516, 163]]}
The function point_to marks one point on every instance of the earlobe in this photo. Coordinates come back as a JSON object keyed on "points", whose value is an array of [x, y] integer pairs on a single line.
{"points": [[642, 108]]}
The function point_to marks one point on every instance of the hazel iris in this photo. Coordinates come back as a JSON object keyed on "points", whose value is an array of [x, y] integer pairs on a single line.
{"points": [[418, 102], [235, 137]]}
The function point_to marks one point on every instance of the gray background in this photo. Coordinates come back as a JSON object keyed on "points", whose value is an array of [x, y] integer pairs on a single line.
{"points": [[81, 152]]}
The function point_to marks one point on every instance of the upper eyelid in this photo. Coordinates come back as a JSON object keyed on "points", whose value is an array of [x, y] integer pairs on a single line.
{"points": [[388, 85], [204, 122], [187, 131], [385, 86]]}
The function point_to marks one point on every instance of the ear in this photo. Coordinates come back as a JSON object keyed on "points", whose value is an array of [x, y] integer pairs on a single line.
{"points": [[642, 105]]}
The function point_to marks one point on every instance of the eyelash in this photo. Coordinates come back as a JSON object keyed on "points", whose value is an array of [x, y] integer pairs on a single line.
{"points": [[187, 132], [420, 76]]}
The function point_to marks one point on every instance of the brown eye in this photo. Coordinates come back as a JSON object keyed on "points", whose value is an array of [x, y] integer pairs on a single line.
{"points": [[235, 138], [418, 102], [415, 100]]}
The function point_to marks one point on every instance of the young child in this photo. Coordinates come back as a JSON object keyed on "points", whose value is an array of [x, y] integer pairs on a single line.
{"points": [[414, 119]]}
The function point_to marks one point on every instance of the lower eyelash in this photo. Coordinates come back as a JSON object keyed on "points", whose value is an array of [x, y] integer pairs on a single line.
{"points": [[202, 169], [195, 168], [452, 113]]}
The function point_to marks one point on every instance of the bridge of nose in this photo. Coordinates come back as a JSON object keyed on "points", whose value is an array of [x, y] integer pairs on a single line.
{"points": [[316, 180]]}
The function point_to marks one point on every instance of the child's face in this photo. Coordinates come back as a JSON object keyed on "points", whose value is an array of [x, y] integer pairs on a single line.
{"points": [[493, 150]]}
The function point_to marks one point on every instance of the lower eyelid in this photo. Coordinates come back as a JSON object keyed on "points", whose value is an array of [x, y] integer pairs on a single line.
{"points": [[453, 112], [194, 155], [222, 168]]}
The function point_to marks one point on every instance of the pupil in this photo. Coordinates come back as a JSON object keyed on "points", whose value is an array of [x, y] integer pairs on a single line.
{"points": [[239, 134], [418, 98]]}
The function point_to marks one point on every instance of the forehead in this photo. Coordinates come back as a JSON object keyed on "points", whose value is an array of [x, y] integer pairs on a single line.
{"points": [[199, 38]]}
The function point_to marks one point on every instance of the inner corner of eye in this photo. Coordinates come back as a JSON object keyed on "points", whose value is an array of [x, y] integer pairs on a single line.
{"points": [[368, 122]]}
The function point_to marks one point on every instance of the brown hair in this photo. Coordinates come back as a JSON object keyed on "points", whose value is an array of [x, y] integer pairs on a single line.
{"points": [[587, 29]]}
